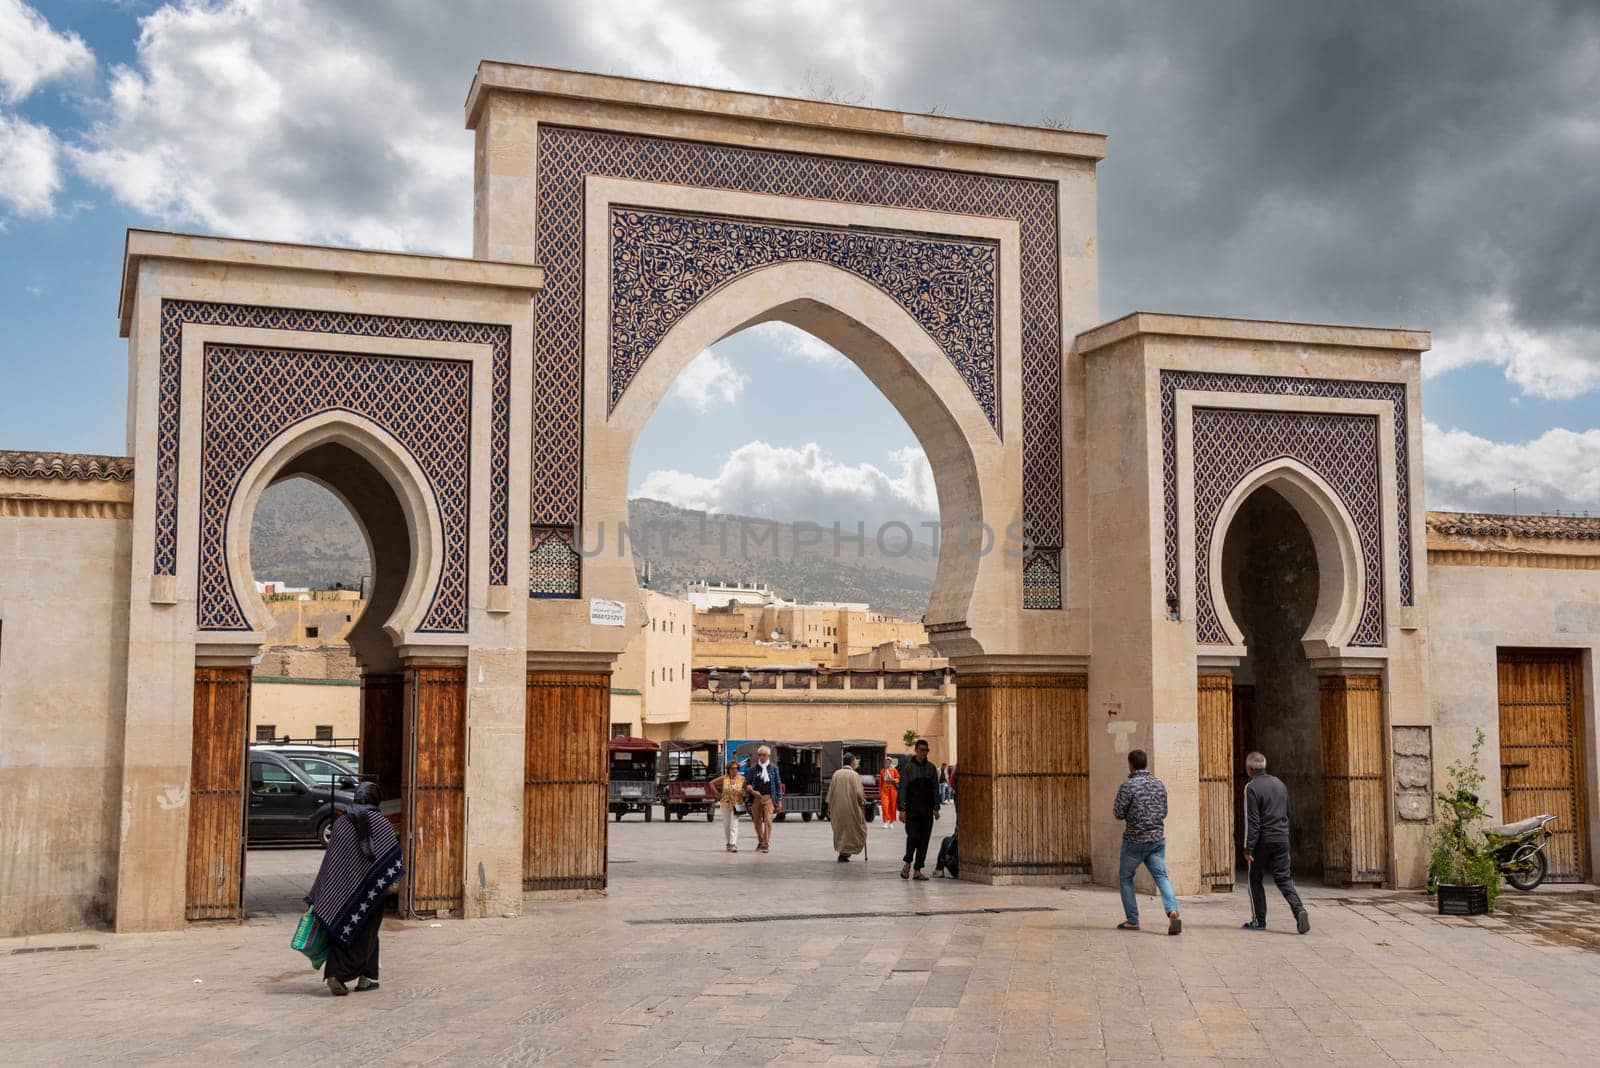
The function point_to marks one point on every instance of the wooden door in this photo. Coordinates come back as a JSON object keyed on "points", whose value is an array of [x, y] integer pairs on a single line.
{"points": [[215, 879], [1541, 753], [1244, 743], [1355, 847], [1214, 709], [436, 820], [564, 781]]}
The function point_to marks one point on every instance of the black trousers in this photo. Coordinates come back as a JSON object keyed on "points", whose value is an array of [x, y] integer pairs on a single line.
{"points": [[1272, 857], [918, 830], [360, 958]]}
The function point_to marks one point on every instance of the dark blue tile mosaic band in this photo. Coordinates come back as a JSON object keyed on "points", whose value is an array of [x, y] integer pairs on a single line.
{"points": [[1393, 393], [1230, 443], [663, 264], [567, 157], [251, 395], [175, 314]]}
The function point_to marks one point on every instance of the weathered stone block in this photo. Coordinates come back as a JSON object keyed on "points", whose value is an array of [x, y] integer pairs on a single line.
{"points": [[1413, 772]]}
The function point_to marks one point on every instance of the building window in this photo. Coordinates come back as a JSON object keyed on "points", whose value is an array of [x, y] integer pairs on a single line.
{"points": [[652, 678], [619, 730], [311, 632], [324, 732], [266, 732]]}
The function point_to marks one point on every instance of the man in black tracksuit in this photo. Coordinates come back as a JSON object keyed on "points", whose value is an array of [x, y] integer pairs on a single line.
{"points": [[1266, 843], [919, 807]]}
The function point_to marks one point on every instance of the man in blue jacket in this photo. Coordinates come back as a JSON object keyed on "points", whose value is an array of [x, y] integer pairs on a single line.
{"points": [[1266, 843], [764, 787]]}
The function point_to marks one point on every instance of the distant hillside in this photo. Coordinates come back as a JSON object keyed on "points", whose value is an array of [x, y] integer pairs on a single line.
{"points": [[304, 537]]}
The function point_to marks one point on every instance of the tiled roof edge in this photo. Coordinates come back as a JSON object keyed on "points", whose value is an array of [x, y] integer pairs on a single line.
{"points": [[1490, 525], [65, 466]]}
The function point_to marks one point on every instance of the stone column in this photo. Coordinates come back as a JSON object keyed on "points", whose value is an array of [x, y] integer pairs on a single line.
{"points": [[1355, 847], [1022, 786]]}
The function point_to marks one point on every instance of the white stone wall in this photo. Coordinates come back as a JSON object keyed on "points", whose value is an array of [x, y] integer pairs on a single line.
{"points": [[63, 672]]}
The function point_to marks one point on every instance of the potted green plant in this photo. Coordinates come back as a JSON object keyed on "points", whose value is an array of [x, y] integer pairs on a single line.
{"points": [[1462, 871]]}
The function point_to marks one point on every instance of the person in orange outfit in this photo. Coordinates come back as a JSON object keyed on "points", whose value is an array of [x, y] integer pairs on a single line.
{"points": [[889, 793]]}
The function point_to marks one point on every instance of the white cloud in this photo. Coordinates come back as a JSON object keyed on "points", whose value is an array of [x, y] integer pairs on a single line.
{"points": [[280, 119], [1560, 469], [29, 176], [793, 342], [805, 483], [33, 54], [708, 382], [1554, 364]]}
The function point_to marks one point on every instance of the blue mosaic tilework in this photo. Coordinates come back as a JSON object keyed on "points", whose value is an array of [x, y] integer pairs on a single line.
{"points": [[1230, 443], [569, 156], [554, 567], [1041, 579], [251, 395], [1275, 386], [662, 265], [175, 314]]}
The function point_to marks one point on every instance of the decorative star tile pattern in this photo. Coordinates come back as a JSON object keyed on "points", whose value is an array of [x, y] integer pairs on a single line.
{"points": [[175, 314], [251, 395], [1041, 579], [662, 265], [1270, 385], [554, 567], [1230, 443], [566, 157]]}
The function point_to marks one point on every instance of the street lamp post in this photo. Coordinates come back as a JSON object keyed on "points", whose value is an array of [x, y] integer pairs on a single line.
{"points": [[728, 698]]}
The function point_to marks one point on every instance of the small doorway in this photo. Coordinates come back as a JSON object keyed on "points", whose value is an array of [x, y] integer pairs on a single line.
{"points": [[1541, 751]]}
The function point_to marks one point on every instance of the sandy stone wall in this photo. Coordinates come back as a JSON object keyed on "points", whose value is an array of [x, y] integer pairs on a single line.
{"points": [[63, 672]]}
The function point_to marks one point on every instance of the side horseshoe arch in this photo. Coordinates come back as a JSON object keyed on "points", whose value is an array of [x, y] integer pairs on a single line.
{"points": [[1341, 576]]}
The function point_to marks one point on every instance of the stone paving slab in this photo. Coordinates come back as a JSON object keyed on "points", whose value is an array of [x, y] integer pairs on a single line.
{"points": [[923, 975]]}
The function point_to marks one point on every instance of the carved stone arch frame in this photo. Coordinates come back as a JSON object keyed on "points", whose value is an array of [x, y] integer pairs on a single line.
{"points": [[398, 468], [866, 324], [1382, 412], [1334, 537]]}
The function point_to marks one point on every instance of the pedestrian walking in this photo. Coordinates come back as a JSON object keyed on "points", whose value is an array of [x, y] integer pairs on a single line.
{"points": [[1142, 806], [764, 787], [919, 783], [1266, 843], [847, 810], [889, 792], [729, 786], [361, 862], [944, 784]]}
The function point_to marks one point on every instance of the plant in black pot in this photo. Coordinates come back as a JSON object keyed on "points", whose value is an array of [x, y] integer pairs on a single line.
{"points": [[1462, 870]]}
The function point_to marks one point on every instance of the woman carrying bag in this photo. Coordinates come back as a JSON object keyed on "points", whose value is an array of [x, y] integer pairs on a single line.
{"points": [[361, 864]]}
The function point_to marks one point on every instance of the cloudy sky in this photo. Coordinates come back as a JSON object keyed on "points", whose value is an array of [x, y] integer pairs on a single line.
{"points": [[1427, 164]]}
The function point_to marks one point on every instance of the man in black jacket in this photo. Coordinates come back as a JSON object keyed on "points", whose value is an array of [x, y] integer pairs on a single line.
{"points": [[1266, 843], [919, 807]]}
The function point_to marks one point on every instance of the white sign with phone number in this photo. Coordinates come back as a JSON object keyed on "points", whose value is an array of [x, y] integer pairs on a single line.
{"points": [[603, 613]]}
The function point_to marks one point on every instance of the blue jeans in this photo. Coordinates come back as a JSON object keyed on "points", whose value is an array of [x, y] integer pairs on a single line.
{"points": [[1152, 855]]}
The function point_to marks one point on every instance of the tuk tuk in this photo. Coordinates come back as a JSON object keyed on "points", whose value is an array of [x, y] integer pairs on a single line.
{"points": [[633, 786], [687, 768], [800, 767], [871, 756]]}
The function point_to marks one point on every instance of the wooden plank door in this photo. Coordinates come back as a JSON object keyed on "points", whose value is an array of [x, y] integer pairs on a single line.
{"points": [[564, 781], [1355, 847], [1540, 752], [1214, 708], [215, 876], [436, 818]]}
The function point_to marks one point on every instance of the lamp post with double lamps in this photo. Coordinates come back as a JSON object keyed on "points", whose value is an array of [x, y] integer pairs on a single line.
{"points": [[728, 698]]}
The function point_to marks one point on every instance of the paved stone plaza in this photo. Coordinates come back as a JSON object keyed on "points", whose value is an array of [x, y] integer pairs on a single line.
{"points": [[919, 972]]}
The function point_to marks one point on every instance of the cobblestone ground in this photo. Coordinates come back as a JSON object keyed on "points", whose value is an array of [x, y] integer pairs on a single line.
{"points": [[690, 960]]}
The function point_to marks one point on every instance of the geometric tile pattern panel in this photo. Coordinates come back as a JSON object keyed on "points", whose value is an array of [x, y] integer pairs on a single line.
{"points": [[554, 568], [1280, 386], [175, 314], [1230, 443], [662, 265], [567, 157], [251, 395], [1041, 579]]}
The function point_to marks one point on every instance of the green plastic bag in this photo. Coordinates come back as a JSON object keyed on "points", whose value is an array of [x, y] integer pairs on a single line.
{"points": [[311, 938]]}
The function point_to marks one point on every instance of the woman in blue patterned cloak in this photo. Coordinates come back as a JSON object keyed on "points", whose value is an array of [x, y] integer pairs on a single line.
{"points": [[361, 864]]}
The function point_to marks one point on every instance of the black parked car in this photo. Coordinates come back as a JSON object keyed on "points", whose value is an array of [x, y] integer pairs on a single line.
{"points": [[287, 803]]}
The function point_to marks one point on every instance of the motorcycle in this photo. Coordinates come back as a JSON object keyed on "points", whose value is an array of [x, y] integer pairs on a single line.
{"points": [[1519, 850]]}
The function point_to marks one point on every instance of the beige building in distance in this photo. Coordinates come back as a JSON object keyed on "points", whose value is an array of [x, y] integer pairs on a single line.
{"points": [[650, 684]]}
